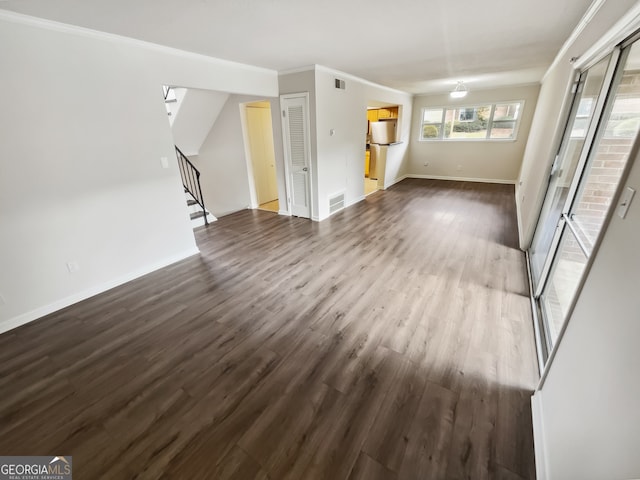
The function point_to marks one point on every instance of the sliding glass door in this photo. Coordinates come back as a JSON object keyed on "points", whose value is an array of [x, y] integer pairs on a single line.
{"points": [[576, 209], [587, 96]]}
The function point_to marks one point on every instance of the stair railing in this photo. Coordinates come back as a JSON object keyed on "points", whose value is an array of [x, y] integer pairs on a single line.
{"points": [[191, 181]]}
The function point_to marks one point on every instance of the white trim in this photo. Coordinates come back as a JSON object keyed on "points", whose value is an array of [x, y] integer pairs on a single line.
{"points": [[248, 158], [361, 80], [462, 179], [344, 75], [480, 89], [357, 200], [284, 212], [306, 68], [39, 312], [96, 34], [396, 180], [584, 21], [487, 138], [519, 216], [287, 160], [622, 29], [542, 466]]}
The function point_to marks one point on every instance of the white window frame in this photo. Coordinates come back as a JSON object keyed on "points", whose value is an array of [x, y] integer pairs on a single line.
{"points": [[441, 126]]}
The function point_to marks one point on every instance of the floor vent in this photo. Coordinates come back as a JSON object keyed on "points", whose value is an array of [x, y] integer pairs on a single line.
{"points": [[336, 203]]}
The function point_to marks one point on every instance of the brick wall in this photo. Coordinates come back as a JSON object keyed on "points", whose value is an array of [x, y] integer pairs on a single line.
{"points": [[611, 157]]}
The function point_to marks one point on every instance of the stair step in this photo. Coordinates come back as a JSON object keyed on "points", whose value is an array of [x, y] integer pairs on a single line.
{"points": [[191, 203], [170, 100], [198, 214]]}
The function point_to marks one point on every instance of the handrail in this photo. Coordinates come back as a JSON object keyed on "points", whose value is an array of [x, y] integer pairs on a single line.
{"points": [[191, 180]]}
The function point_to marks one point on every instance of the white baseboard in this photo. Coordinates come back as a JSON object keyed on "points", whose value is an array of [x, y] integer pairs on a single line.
{"points": [[284, 212], [519, 218], [40, 312], [357, 200], [538, 438], [397, 180], [462, 179]]}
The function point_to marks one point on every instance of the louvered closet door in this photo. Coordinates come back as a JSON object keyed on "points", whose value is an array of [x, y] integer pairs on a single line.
{"points": [[295, 123]]}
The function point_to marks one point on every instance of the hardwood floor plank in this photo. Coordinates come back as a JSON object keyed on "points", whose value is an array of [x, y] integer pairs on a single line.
{"points": [[389, 435], [427, 451], [368, 469], [393, 340]]}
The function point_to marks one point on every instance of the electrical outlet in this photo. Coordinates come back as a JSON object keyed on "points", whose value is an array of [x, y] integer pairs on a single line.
{"points": [[459, 168], [2, 300], [73, 267], [164, 161]]}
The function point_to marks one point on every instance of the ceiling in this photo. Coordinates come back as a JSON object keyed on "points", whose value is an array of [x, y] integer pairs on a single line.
{"points": [[414, 45]]}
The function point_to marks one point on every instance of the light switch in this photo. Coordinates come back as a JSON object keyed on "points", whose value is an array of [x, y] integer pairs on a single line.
{"points": [[164, 162], [625, 201]]}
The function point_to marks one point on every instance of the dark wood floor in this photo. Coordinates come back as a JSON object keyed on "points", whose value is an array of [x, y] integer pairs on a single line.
{"points": [[391, 341]]}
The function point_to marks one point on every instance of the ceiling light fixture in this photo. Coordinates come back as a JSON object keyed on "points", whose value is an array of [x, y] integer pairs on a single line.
{"points": [[460, 90]]}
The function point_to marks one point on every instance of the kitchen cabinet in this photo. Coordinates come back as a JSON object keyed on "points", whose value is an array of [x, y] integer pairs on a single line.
{"points": [[376, 114], [390, 112]]}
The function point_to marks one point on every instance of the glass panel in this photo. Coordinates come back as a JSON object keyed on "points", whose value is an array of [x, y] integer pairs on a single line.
{"points": [[467, 122], [565, 275], [505, 117], [432, 123], [432, 115], [565, 168], [610, 154]]}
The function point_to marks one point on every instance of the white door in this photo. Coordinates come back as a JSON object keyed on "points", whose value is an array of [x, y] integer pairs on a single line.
{"points": [[295, 132]]}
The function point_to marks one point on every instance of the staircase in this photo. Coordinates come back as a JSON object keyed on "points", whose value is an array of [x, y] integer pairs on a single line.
{"points": [[193, 191]]}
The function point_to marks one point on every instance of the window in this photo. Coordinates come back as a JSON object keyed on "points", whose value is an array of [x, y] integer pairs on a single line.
{"points": [[497, 121]]}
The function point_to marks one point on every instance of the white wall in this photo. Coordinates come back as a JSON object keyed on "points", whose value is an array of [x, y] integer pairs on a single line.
{"points": [[82, 135], [193, 120], [474, 160], [548, 121], [588, 419], [337, 162], [223, 159], [340, 158]]}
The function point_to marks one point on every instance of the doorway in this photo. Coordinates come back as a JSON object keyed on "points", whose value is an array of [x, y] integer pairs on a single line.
{"points": [[382, 128], [259, 137], [599, 136]]}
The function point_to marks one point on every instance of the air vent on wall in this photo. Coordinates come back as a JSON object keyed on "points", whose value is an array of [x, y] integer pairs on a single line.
{"points": [[336, 203], [340, 84]]}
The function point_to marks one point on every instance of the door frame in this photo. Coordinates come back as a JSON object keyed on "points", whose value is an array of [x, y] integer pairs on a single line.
{"points": [[287, 157], [253, 196], [584, 155], [618, 57]]}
